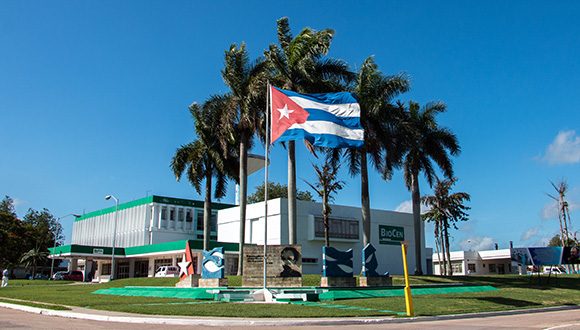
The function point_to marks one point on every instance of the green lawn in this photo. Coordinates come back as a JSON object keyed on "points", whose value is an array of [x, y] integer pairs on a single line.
{"points": [[514, 292]]}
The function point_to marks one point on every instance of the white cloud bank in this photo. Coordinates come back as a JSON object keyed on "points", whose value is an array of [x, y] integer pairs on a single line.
{"points": [[550, 210], [477, 243], [530, 233], [565, 149], [407, 207]]}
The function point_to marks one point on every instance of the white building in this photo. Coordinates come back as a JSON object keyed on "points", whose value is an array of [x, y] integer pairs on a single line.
{"points": [[153, 232], [477, 262], [388, 230]]}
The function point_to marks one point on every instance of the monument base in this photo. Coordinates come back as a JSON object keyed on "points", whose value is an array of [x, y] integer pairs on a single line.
{"points": [[375, 281], [213, 282], [251, 281], [190, 281], [328, 282]]}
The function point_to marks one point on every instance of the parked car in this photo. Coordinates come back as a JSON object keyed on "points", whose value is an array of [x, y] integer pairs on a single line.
{"points": [[554, 270], [59, 275], [167, 271], [75, 275], [38, 276]]}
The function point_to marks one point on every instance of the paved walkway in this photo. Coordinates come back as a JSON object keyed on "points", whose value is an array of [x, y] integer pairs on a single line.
{"points": [[561, 320]]}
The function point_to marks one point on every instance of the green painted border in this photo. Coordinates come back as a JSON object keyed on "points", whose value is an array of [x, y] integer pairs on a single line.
{"points": [[153, 199], [143, 249]]}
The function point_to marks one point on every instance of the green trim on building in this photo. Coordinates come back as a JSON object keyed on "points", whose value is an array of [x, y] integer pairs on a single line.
{"points": [[153, 199], [137, 250]]}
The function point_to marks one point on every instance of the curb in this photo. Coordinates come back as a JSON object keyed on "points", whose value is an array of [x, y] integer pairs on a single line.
{"points": [[221, 322]]}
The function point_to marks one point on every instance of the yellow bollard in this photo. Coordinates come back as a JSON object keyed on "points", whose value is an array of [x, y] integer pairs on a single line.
{"points": [[408, 297]]}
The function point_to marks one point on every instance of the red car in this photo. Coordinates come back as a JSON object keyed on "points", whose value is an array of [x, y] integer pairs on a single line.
{"points": [[75, 275]]}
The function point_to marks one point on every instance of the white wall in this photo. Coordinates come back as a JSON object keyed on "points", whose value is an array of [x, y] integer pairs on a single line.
{"points": [[389, 256]]}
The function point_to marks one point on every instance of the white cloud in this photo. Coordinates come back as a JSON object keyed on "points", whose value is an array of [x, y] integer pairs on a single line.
{"points": [[530, 233], [477, 243], [407, 207], [550, 210], [565, 149]]}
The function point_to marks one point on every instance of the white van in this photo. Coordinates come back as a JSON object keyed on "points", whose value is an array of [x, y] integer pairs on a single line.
{"points": [[554, 270], [167, 271]]}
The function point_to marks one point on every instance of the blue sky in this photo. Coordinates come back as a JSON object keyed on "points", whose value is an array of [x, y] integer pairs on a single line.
{"points": [[94, 96]]}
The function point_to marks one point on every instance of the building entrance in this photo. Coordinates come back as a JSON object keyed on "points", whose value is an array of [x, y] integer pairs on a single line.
{"points": [[141, 268]]}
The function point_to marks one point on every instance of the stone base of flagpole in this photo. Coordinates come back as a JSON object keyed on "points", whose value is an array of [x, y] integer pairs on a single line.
{"points": [[190, 281], [264, 295], [213, 282]]}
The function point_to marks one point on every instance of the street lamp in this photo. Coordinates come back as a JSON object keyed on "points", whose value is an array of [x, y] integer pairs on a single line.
{"points": [[108, 197], [55, 239]]}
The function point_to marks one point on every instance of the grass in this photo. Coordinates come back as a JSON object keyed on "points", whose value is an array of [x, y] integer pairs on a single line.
{"points": [[514, 292], [37, 305]]}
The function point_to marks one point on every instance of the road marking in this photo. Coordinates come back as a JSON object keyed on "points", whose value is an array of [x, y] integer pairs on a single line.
{"points": [[562, 326]]}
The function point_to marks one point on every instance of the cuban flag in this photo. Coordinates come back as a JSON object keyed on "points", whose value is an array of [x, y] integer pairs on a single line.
{"points": [[325, 120]]}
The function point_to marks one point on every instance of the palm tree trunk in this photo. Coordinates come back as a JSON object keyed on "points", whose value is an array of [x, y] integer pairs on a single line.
{"points": [[325, 219], [446, 234], [365, 198], [443, 250], [207, 209], [291, 192], [243, 201], [416, 198], [436, 235]]}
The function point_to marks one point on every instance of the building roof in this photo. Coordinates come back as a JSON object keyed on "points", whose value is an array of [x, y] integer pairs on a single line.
{"points": [[153, 199], [134, 251]]}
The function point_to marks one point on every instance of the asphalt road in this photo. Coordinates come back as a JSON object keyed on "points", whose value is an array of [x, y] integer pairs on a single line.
{"points": [[561, 320]]}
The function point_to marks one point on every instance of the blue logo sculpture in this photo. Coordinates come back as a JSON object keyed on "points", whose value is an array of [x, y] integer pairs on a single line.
{"points": [[369, 261], [336, 263], [212, 265]]}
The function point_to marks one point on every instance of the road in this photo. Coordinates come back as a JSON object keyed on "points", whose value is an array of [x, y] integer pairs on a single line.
{"points": [[560, 320]]}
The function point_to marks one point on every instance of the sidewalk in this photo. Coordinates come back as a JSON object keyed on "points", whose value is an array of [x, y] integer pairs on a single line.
{"points": [[109, 316]]}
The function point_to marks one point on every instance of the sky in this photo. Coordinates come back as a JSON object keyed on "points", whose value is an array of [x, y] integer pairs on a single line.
{"points": [[94, 96]]}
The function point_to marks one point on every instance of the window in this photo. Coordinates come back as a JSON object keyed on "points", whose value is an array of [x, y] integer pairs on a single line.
{"points": [[457, 267], [471, 268], [180, 215], [172, 214], [188, 217], [212, 221], [106, 269], [162, 262], [337, 228], [163, 213], [492, 268]]}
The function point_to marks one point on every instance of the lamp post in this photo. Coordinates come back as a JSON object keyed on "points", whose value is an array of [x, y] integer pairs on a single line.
{"points": [[55, 239], [114, 234]]}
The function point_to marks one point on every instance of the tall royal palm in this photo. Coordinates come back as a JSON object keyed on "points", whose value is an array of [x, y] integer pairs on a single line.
{"points": [[299, 63], [245, 109], [375, 92], [207, 158], [427, 145]]}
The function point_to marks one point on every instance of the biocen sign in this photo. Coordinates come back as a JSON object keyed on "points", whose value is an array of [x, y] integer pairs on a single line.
{"points": [[391, 235]]}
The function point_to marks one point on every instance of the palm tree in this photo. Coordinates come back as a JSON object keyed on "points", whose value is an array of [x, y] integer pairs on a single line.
{"points": [[208, 157], [563, 211], [327, 184], [299, 63], [31, 258], [427, 145], [246, 108], [379, 119], [445, 209]]}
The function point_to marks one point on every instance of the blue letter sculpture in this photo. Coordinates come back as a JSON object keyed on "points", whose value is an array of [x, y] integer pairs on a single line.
{"points": [[213, 263], [336, 263], [369, 262]]}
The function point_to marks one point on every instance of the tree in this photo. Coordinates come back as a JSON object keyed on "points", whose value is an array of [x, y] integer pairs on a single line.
{"points": [[557, 241], [33, 257], [445, 210], [326, 186], [427, 144], [299, 63], [245, 108], [375, 92], [42, 229], [12, 232], [209, 157], [277, 190], [563, 211]]}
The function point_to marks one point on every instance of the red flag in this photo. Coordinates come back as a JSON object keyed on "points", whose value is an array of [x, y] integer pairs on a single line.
{"points": [[284, 113]]}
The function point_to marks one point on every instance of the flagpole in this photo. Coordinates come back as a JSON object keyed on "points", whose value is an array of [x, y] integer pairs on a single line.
{"points": [[267, 151]]}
